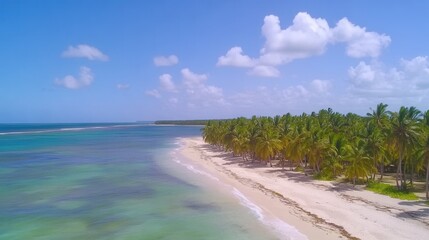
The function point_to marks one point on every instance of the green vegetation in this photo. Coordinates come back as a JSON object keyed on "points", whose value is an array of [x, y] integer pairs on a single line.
{"points": [[329, 145], [391, 191]]}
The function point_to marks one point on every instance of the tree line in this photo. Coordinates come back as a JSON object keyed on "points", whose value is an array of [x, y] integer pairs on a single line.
{"points": [[332, 144]]}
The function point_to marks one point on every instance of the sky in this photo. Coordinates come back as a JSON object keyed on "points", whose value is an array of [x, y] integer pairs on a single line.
{"points": [[125, 61]]}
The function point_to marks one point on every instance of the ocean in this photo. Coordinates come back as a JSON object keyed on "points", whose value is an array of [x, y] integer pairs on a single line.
{"points": [[112, 181]]}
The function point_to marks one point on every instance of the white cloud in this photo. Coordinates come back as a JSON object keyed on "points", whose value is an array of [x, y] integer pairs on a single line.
{"points": [[153, 93], [235, 58], [85, 51], [360, 43], [418, 71], [166, 61], [196, 92], [296, 92], [410, 79], [363, 75], [191, 78], [121, 86], [167, 83], [264, 71], [374, 78], [294, 98], [306, 37], [200, 93], [85, 79], [321, 86]]}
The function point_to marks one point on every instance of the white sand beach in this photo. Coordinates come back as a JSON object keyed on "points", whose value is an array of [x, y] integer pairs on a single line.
{"points": [[317, 209]]}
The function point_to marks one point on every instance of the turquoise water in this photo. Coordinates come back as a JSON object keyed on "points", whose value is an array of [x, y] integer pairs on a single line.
{"points": [[109, 181]]}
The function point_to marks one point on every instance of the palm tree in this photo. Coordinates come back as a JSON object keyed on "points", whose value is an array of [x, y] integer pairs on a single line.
{"points": [[374, 145], [297, 147], [359, 164], [424, 155], [268, 144], [380, 118], [332, 143], [319, 149], [424, 151], [335, 160], [404, 134]]}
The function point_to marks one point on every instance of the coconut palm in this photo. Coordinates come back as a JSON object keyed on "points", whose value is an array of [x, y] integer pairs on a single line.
{"points": [[404, 134], [379, 116], [268, 144], [380, 119], [374, 141], [424, 150], [335, 159], [332, 143], [358, 163], [319, 150]]}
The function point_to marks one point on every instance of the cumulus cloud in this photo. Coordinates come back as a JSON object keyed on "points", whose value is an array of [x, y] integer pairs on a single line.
{"points": [[320, 86], [296, 92], [306, 37], [417, 70], [85, 51], [191, 78], [293, 97], [235, 58], [264, 71], [121, 86], [85, 79], [360, 43], [165, 61], [364, 75], [167, 83], [196, 92], [154, 93], [410, 78], [199, 92]]}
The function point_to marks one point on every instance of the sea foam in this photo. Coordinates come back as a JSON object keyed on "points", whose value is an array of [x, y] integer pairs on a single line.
{"points": [[281, 228]]}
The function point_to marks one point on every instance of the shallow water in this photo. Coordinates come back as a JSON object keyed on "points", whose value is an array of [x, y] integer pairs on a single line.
{"points": [[109, 181]]}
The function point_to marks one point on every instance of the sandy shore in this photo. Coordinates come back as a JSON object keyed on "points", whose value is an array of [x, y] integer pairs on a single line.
{"points": [[317, 209]]}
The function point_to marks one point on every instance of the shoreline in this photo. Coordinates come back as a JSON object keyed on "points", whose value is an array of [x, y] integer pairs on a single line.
{"points": [[317, 209]]}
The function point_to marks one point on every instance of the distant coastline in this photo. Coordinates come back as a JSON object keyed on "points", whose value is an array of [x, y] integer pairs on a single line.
{"points": [[185, 122]]}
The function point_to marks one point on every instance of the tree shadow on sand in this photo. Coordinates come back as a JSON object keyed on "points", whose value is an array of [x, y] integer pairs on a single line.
{"points": [[421, 214], [290, 175], [345, 187]]}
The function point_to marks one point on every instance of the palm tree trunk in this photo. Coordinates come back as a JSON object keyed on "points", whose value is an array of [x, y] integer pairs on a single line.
{"points": [[382, 169], [305, 161], [427, 179], [399, 174]]}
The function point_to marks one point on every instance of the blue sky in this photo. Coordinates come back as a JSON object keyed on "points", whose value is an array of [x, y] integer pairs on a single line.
{"points": [[92, 61]]}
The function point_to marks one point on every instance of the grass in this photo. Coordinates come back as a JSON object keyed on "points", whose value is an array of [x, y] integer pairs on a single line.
{"points": [[323, 177], [391, 191]]}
